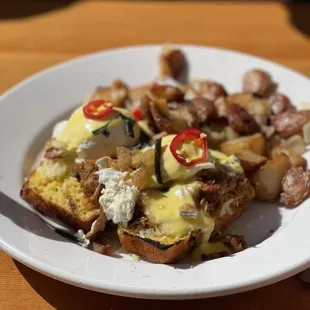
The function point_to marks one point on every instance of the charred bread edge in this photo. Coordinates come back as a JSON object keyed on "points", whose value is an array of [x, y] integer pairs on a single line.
{"points": [[156, 252]]}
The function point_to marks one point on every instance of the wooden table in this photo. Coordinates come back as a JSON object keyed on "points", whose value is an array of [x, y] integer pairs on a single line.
{"points": [[36, 34]]}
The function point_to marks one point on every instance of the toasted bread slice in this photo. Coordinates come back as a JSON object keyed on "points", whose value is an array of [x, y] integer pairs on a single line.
{"points": [[158, 250], [53, 191]]}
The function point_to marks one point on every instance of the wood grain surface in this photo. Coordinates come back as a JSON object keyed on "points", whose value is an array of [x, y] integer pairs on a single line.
{"points": [[39, 33]]}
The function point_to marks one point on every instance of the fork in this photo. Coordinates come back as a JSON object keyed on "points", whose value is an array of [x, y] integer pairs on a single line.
{"points": [[67, 233]]}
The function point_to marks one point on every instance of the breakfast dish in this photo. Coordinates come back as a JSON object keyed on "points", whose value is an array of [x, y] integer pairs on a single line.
{"points": [[49, 98], [169, 167]]}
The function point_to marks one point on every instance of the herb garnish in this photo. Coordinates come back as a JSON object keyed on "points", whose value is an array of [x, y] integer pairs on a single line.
{"points": [[103, 130], [158, 175], [129, 123]]}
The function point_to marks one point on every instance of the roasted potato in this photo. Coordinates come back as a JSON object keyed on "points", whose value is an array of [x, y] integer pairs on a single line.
{"points": [[295, 159], [137, 93], [208, 89], [306, 132], [118, 93], [257, 82], [230, 134], [170, 93], [240, 120], [216, 134], [172, 63], [295, 143], [255, 143], [183, 116], [296, 187], [267, 180], [250, 160], [290, 123], [204, 108], [280, 103], [258, 108], [221, 107]]}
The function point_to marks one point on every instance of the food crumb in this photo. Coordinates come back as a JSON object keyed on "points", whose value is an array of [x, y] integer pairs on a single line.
{"points": [[135, 258]]}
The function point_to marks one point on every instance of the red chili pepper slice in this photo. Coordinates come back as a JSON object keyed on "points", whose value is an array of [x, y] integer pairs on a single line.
{"points": [[97, 109], [137, 114], [192, 135]]}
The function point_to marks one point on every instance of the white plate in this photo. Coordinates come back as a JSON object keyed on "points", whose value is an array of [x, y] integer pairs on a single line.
{"points": [[27, 114]]}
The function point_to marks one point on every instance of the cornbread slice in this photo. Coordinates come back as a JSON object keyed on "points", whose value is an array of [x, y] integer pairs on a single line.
{"points": [[52, 190]]}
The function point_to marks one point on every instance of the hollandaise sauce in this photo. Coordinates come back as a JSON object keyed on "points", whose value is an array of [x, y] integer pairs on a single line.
{"points": [[164, 208], [81, 128]]}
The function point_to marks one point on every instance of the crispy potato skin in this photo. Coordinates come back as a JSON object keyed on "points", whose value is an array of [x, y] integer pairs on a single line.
{"points": [[295, 186], [156, 252], [250, 161], [240, 120], [280, 103], [290, 123], [171, 63], [54, 210], [255, 143], [257, 82], [257, 107]]}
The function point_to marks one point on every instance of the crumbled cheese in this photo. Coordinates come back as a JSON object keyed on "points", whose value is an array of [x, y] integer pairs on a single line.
{"points": [[118, 198], [80, 234], [135, 258], [55, 171]]}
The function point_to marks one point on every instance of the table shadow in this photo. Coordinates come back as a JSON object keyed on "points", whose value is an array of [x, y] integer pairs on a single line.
{"points": [[64, 297], [24, 8], [300, 15]]}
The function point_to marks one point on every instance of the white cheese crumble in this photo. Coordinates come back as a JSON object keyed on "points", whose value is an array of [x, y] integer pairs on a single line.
{"points": [[55, 171], [118, 198]]}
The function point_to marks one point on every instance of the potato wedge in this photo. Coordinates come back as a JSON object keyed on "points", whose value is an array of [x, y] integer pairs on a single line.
{"points": [[249, 160], [295, 143], [290, 123], [306, 132], [296, 160], [172, 63], [257, 82], [267, 180], [135, 94], [258, 108], [255, 143], [117, 93]]}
